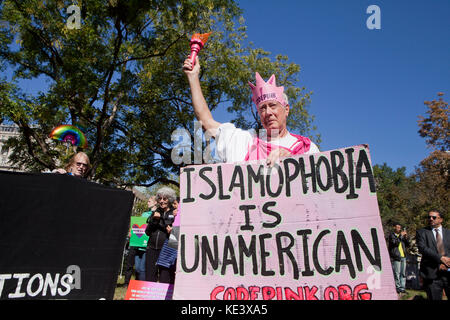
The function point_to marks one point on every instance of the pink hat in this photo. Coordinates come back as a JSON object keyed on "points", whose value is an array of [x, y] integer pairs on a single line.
{"points": [[264, 91]]}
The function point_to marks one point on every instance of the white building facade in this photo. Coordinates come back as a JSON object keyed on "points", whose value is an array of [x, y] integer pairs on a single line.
{"points": [[7, 131]]}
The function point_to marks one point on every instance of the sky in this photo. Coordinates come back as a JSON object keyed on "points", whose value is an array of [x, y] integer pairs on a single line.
{"points": [[369, 85]]}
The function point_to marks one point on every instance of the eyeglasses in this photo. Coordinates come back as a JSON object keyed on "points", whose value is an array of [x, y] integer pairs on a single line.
{"points": [[432, 217], [79, 164]]}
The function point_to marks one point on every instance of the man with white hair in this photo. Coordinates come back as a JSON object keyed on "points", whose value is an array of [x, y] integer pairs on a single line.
{"points": [[235, 145]]}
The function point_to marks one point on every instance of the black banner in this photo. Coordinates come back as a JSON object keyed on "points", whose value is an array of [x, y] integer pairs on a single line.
{"points": [[61, 237]]}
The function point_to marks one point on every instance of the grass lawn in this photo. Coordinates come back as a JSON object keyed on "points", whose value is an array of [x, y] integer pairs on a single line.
{"points": [[417, 295], [120, 293], [121, 290], [413, 294]]}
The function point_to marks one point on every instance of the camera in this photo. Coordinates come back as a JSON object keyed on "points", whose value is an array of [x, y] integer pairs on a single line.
{"points": [[168, 221]]}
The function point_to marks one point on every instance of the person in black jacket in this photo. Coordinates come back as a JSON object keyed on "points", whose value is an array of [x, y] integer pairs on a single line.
{"points": [[398, 243], [434, 245], [159, 226]]}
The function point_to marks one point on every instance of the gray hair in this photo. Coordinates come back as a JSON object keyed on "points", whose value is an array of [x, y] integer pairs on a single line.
{"points": [[286, 98], [168, 193]]}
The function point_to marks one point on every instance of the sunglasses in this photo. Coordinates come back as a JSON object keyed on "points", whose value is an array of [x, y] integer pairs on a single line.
{"points": [[432, 217], [79, 164]]}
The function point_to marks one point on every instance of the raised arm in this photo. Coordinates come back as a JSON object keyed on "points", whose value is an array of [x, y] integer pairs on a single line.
{"points": [[201, 109]]}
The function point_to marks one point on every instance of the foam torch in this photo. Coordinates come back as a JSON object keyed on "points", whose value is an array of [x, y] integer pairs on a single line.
{"points": [[197, 43]]}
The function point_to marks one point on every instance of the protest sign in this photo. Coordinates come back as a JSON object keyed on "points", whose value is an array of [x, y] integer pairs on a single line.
{"points": [[309, 229], [146, 290], [61, 237], [138, 237]]}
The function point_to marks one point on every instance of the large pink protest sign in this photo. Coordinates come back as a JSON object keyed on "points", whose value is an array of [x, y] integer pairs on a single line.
{"points": [[308, 228]]}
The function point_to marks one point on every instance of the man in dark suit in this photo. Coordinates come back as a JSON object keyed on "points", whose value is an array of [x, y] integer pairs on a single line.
{"points": [[434, 245]]}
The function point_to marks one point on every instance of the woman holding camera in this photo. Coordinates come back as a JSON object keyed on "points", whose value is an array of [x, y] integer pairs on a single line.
{"points": [[159, 226]]}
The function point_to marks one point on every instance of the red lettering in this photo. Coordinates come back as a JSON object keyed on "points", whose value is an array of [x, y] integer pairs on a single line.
{"points": [[268, 293], [311, 295], [229, 294], [361, 296], [254, 292], [291, 295], [342, 292], [216, 291], [279, 293], [345, 292], [242, 293], [331, 290]]}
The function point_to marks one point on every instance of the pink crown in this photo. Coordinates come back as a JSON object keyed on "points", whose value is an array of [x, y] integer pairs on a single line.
{"points": [[264, 91]]}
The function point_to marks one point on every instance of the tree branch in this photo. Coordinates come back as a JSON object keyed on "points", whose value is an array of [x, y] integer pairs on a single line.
{"points": [[148, 185], [27, 133], [161, 54], [100, 124]]}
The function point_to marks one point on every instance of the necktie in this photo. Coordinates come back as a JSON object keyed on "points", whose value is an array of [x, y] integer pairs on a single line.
{"points": [[439, 243]]}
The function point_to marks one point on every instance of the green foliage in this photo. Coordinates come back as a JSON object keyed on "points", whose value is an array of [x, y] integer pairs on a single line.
{"points": [[405, 199], [139, 208], [433, 172], [408, 199], [435, 128], [394, 192], [119, 78], [433, 183]]}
